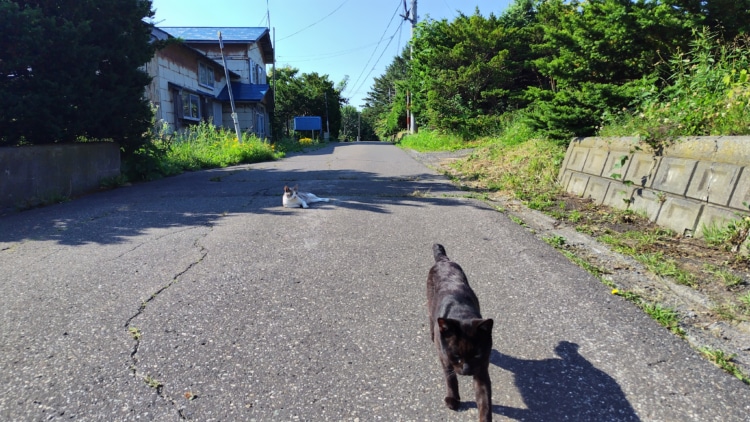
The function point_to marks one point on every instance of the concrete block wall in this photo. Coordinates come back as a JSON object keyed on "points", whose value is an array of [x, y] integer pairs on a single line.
{"points": [[31, 175], [694, 183]]}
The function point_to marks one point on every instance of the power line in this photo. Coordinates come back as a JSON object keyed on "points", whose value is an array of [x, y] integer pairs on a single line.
{"points": [[380, 57], [376, 47], [268, 13], [319, 21], [323, 56]]}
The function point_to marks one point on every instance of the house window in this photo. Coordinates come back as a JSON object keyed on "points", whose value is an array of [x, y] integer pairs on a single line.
{"points": [[205, 75], [191, 109]]}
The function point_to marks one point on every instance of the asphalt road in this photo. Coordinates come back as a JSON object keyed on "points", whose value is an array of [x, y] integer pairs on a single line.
{"points": [[199, 297]]}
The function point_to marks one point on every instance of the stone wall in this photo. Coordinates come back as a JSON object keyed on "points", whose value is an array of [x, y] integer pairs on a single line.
{"points": [[32, 175], [694, 183]]}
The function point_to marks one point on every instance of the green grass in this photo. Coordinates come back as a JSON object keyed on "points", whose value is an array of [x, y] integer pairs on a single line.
{"points": [[555, 241], [427, 140], [745, 299], [635, 244], [205, 146], [727, 277], [135, 333], [661, 266], [152, 382], [665, 316], [202, 146], [725, 362]]}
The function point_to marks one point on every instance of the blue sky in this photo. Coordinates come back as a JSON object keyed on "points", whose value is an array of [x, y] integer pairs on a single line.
{"points": [[358, 38]]}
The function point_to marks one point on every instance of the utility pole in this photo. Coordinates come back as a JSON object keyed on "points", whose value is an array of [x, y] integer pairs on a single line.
{"points": [[229, 88], [273, 66], [411, 16], [327, 136]]}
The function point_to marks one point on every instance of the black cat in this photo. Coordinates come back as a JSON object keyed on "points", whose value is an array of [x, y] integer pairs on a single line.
{"points": [[463, 339]]}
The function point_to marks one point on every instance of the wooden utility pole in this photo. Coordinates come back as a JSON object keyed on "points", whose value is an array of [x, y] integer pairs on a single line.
{"points": [[411, 16]]}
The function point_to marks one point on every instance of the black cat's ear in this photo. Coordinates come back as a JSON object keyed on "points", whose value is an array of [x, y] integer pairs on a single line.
{"points": [[447, 326], [484, 324]]}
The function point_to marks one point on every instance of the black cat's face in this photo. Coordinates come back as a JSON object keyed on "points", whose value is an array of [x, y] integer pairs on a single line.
{"points": [[466, 345]]}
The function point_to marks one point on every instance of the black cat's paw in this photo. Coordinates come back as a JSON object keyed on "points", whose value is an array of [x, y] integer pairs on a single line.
{"points": [[452, 403]]}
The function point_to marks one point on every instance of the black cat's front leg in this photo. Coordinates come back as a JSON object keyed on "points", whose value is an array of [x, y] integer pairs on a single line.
{"points": [[483, 393], [452, 399]]}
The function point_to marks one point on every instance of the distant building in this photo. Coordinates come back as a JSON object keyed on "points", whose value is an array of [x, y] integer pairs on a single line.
{"points": [[189, 83]]}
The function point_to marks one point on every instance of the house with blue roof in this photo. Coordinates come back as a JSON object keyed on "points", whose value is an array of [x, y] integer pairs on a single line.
{"points": [[189, 83]]}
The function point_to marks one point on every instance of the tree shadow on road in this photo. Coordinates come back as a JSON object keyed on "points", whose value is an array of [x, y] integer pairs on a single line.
{"points": [[569, 388], [203, 198]]}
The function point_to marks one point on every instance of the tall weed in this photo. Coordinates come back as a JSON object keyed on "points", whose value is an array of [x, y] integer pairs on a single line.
{"points": [[430, 140], [201, 146], [206, 146], [707, 93]]}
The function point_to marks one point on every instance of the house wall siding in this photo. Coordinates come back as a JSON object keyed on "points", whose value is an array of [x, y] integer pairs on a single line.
{"points": [[237, 57], [177, 66]]}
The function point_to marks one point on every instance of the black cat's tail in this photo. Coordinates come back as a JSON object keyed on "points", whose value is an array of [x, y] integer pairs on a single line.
{"points": [[438, 251]]}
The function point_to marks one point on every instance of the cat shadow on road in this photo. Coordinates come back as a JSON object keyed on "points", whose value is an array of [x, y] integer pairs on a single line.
{"points": [[564, 388]]}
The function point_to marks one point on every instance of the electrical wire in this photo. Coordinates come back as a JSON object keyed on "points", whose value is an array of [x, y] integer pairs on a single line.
{"points": [[376, 61], [313, 57], [376, 47], [319, 21]]}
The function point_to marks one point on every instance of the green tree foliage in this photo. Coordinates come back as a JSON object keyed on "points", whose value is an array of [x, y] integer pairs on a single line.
{"points": [[594, 54], [726, 17], [460, 71], [352, 125], [385, 104], [288, 100], [306, 94], [71, 69], [567, 63]]}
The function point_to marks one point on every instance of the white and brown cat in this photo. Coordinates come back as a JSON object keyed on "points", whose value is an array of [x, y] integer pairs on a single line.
{"points": [[293, 198]]}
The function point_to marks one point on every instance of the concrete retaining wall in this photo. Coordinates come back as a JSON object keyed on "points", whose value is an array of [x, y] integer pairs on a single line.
{"points": [[696, 182], [32, 175]]}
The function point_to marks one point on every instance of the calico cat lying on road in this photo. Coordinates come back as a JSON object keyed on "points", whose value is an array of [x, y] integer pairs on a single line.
{"points": [[294, 199], [462, 338]]}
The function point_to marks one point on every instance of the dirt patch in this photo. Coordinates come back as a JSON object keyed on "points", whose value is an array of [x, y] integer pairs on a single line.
{"points": [[708, 286]]}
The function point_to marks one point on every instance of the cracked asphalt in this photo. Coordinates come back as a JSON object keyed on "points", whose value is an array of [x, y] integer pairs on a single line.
{"points": [[198, 297]]}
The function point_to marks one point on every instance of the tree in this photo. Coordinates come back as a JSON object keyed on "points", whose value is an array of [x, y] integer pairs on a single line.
{"points": [[385, 104], [288, 100], [71, 69], [308, 94], [727, 17], [349, 123], [461, 70], [595, 55]]}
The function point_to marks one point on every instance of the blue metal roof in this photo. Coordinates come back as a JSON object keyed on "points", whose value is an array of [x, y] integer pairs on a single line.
{"points": [[244, 92], [210, 33]]}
